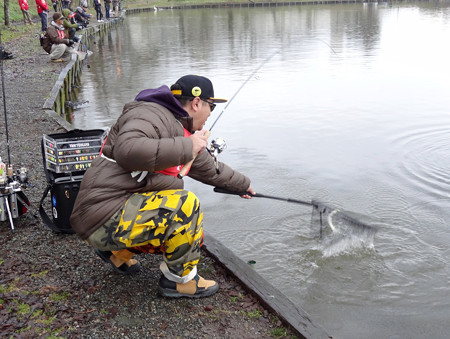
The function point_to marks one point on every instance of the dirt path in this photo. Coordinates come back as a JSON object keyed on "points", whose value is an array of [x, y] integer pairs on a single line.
{"points": [[54, 285]]}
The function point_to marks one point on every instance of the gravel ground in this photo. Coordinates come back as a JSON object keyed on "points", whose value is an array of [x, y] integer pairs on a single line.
{"points": [[53, 285]]}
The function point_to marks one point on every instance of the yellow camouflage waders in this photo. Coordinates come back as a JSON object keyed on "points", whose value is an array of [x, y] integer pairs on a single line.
{"points": [[169, 221]]}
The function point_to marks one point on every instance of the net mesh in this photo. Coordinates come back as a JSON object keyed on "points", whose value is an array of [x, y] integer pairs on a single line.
{"points": [[327, 220]]}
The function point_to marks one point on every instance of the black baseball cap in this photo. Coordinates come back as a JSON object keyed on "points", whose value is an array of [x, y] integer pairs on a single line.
{"points": [[192, 86]]}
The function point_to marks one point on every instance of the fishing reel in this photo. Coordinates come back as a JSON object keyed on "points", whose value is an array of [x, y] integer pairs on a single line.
{"points": [[13, 180], [13, 201], [217, 146]]}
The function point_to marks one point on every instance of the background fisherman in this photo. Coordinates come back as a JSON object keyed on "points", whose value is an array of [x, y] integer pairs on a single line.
{"points": [[56, 43], [108, 9], [115, 7], [26, 15], [98, 10], [132, 201], [82, 17], [42, 9], [70, 26]]}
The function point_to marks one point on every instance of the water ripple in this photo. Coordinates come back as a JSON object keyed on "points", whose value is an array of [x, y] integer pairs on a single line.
{"points": [[425, 158]]}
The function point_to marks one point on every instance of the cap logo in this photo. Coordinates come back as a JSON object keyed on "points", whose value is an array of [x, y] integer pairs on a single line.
{"points": [[196, 91]]}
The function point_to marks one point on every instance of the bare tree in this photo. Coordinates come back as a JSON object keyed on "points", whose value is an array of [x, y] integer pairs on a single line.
{"points": [[6, 10]]}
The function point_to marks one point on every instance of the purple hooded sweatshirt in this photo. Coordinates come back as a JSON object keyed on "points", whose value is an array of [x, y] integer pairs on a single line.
{"points": [[164, 97]]}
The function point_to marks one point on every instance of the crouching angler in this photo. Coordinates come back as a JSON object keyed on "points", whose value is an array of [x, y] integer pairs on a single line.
{"points": [[132, 200], [82, 17], [70, 26], [55, 41]]}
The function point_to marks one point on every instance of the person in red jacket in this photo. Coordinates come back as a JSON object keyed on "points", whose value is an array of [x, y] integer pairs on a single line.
{"points": [[26, 16], [42, 9]]}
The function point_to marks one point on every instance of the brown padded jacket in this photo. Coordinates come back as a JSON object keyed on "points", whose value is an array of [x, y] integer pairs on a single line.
{"points": [[53, 37], [146, 137]]}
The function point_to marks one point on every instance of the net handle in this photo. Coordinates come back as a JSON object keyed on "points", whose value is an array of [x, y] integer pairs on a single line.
{"points": [[260, 195], [317, 207]]}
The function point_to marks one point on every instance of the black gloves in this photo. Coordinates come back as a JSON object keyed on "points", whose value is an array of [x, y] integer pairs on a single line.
{"points": [[76, 39], [71, 42]]}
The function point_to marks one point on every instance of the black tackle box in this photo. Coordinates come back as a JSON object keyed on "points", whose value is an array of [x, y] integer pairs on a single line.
{"points": [[66, 158]]}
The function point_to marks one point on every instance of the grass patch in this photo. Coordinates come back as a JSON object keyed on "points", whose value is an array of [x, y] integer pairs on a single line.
{"points": [[254, 314], [24, 330], [59, 296], [46, 321], [37, 313], [15, 31], [39, 274], [236, 298], [9, 288], [23, 309], [279, 332]]}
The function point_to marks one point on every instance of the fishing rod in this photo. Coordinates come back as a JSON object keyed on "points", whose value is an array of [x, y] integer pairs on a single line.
{"points": [[251, 76], [3, 55], [324, 212], [10, 183], [218, 145], [242, 86]]}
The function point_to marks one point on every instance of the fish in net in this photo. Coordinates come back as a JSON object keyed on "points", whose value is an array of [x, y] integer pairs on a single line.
{"points": [[325, 219]]}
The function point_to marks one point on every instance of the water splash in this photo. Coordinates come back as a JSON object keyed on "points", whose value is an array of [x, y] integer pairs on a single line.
{"points": [[338, 243]]}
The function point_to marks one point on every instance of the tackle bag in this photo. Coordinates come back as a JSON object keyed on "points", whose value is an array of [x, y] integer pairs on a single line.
{"points": [[66, 158], [63, 192]]}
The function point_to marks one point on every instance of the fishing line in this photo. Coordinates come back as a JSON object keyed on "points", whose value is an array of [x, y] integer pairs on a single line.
{"points": [[251, 76], [326, 43], [184, 170], [242, 86], [321, 212]]}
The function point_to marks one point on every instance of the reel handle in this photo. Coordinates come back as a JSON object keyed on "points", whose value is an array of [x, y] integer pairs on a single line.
{"points": [[188, 165]]}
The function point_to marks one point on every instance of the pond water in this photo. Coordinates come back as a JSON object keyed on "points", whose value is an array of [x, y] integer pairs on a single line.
{"points": [[350, 106]]}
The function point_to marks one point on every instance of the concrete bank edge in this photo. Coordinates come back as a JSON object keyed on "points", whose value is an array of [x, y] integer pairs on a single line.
{"points": [[272, 298], [54, 105]]}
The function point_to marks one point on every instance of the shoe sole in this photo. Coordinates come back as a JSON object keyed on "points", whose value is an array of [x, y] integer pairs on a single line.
{"points": [[135, 268], [166, 292]]}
